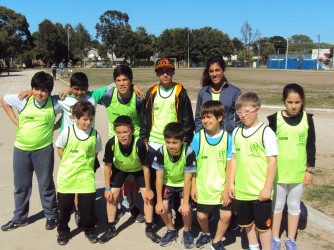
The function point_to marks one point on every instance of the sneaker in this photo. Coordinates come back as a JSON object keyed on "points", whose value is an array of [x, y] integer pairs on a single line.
{"points": [[188, 239], [202, 240], [290, 244], [10, 225], [275, 245], [108, 235], [167, 239], [77, 218], [50, 224], [63, 239], [140, 218], [152, 235], [217, 246], [92, 237]]}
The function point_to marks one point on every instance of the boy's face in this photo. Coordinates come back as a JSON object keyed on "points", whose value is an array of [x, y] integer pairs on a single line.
{"points": [[40, 95], [173, 146], [124, 135], [84, 122], [123, 84], [165, 76], [78, 92], [248, 114], [211, 123]]}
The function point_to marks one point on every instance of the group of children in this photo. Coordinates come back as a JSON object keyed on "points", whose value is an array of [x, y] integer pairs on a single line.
{"points": [[153, 140], [62, 69]]}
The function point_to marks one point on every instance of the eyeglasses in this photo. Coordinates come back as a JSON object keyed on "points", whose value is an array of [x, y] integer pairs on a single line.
{"points": [[119, 133], [246, 112]]}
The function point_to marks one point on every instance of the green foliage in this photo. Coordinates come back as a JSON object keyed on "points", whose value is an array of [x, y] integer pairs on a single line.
{"points": [[15, 36]]}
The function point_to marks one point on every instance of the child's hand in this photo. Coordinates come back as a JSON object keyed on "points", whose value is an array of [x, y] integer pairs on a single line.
{"points": [[184, 209], [138, 91], [25, 95], [108, 195], [308, 178], [225, 198], [148, 196], [264, 194], [159, 208], [231, 191], [193, 194], [63, 93]]}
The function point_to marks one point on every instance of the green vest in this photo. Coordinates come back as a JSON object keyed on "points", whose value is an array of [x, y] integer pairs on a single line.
{"points": [[211, 170], [129, 163], [76, 169], [35, 130], [291, 140], [251, 164], [164, 113], [116, 109], [174, 171]]}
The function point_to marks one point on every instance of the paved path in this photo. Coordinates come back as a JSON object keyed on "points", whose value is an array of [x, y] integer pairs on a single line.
{"points": [[131, 235]]}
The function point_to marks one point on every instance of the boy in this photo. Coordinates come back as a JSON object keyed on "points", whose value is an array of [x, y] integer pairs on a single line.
{"points": [[165, 102], [175, 163], [69, 68], [78, 146], [126, 155], [61, 67], [213, 147], [253, 168], [33, 149]]}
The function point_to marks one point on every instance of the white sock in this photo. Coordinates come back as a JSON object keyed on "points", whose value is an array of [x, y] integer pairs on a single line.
{"points": [[277, 239], [254, 247]]}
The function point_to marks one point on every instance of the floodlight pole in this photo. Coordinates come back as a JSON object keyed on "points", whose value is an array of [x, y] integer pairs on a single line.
{"points": [[188, 49], [286, 53]]}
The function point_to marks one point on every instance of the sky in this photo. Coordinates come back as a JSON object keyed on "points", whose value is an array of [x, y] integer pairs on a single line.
{"points": [[271, 18]]}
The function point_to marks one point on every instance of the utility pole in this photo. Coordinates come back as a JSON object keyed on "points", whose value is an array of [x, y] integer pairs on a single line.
{"points": [[318, 51], [188, 49], [286, 53], [68, 43]]}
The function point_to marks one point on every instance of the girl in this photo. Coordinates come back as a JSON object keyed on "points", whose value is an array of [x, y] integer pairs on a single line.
{"points": [[295, 162], [217, 88]]}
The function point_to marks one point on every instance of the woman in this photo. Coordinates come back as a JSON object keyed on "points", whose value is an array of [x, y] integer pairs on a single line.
{"points": [[216, 87]]}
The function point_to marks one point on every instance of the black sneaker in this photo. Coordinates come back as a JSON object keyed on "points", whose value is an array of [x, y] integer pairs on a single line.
{"points": [[151, 234], [167, 239], [202, 240], [108, 235], [92, 237], [51, 224], [63, 239], [10, 225], [217, 246], [188, 240]]}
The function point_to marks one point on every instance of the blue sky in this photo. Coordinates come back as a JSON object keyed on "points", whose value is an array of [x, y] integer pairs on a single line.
{"points": [[283, 18]]}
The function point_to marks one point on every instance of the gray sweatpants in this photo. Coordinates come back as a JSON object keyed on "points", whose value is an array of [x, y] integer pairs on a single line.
{"points": [[24, 164]]}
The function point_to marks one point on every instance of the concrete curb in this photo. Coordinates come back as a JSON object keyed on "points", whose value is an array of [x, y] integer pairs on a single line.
{"points": [[320, 220]]}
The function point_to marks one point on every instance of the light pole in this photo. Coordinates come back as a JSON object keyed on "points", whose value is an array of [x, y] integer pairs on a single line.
{"points": [[188, 49], [68, 44], [258, 53], [318, 51], [286, 53]]}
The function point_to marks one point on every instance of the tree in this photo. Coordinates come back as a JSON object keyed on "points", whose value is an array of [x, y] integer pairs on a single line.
{"points": [[15, 36], [113, 25], [248, 37], [80, 41], [237, 45], [279, 44], [301, 39]]}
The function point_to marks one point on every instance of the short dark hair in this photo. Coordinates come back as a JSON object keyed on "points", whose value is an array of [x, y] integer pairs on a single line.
{"points": [[294, 88], [123, 120], [123, 70], [206, 80], [42, 80], [174, 130], [79, 79], [213, 107], [83, 107]]}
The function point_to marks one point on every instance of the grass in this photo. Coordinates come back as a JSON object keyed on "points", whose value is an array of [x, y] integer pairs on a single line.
{"points": [[268, 84]]}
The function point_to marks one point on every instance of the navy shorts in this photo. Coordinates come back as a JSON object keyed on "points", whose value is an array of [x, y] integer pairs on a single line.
{"points": [[169, 193], [118, 177]]}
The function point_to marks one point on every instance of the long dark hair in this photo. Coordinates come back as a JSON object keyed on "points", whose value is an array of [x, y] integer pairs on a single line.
{"points": [[206, 81]]}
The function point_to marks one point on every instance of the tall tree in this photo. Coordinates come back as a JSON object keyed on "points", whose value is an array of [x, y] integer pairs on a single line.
{"points": [[237, 45], [113, 25], [248, 37], [15, 36], [80, 41]]}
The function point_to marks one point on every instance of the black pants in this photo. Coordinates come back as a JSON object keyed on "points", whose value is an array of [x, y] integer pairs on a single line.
{"points": [[86, 205]]}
